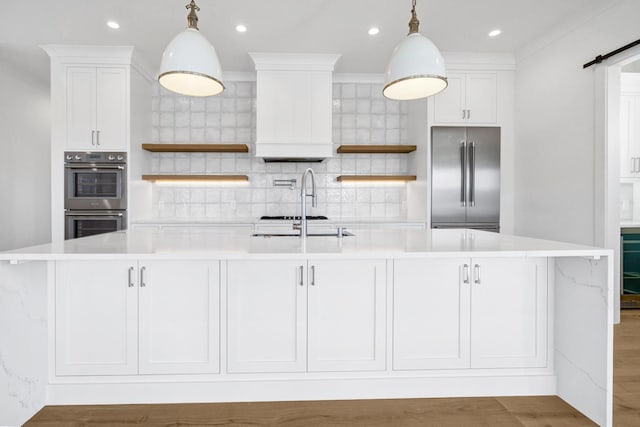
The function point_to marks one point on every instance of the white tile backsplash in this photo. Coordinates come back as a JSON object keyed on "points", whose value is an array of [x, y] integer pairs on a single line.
{"points": [[361, 116]]}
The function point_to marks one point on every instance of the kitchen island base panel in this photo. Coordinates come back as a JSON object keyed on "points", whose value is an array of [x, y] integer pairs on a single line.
{"points": [[296, 390], [583, 342], [23, 340]]}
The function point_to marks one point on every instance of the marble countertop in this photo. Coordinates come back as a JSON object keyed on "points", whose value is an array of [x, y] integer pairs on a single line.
{"points": [[235, 243]]}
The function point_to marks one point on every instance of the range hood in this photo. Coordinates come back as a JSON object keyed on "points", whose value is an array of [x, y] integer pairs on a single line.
{"points": [[294, 111]]}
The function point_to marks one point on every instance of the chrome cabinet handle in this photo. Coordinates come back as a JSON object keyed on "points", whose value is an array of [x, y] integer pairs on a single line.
{"points": [[465, 274], [468, 114], [301, 275], [131, 284], [463, 154], [97, 137], [313, 275], [93, 137], [142, 283], [464, 113], [476, 274]]}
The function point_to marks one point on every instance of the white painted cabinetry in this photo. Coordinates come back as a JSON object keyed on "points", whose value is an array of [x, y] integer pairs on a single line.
{"points": [[630, 135], [277, 309], [266, 316], [125, 318], [470, 98], [97, 108], [447, 315], [96, 318], [512, 333], [430, 314]]}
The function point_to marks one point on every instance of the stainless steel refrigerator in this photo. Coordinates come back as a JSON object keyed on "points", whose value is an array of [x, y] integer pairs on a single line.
{"points": [[465, 177]]}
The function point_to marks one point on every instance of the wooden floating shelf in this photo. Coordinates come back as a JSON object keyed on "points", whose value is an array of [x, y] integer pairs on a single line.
{"points": [[213, 178], [196, 148], [354, 178], [376, 149]]}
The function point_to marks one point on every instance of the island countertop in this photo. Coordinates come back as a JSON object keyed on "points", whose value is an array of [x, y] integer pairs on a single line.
{"points": [[186, 243]]}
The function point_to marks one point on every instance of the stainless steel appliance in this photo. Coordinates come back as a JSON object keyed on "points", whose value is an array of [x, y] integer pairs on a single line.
{"points": [[95, 181], [88, 223], [95, 191], [465, 177]]}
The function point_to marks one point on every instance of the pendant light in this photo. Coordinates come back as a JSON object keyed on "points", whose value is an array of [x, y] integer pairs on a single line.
{"points": [[190, 65], [416, 69]]}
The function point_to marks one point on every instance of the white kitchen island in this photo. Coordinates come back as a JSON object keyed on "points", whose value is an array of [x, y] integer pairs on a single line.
{"points": [[197, 315]]}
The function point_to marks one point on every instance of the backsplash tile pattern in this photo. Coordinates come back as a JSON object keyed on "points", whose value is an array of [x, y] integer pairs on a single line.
{"points": [[360, 116]]}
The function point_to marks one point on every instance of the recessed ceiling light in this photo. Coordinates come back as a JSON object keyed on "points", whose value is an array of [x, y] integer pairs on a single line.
{"points": [[373, 31], [241, 28], [113, 24], [495, 33]]}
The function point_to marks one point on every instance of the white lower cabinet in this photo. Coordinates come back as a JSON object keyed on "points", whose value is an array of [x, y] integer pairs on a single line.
{"points": [[470, 313], [309, 315], [96, 319], [430, 314], [125, 318], [508, 312]]}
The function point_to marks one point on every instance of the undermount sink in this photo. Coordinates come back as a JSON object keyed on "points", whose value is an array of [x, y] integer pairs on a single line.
{"points": [[327, 234]]}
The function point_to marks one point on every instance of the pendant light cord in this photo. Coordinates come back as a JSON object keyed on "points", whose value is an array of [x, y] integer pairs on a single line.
{"points": [[192, 18], [414, 23]]}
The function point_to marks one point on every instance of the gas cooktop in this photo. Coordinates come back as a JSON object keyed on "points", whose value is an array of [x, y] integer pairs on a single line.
{"points": [[292, 217]]}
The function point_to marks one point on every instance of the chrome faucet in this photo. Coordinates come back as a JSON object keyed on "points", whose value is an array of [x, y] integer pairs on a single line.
{"points": [[303, 199]]}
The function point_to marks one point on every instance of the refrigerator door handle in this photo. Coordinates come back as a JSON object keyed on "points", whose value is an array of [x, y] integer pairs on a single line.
{"points": [[463, 169], [472, 174]]}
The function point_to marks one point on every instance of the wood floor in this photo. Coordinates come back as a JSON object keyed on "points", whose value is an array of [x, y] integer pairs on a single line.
{"points": [[490, 412]]}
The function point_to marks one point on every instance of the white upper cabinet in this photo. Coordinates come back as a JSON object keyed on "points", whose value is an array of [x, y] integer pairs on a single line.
{"points": [[469, 98], [96, 108], [294, 111], [630, 126], [90, 97]]}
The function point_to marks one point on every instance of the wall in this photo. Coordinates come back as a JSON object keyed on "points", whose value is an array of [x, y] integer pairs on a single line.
{"points": [[361, 116], [25, 215], [555, 110]]}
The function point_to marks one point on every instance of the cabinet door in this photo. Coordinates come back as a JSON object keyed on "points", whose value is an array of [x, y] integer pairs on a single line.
{"points": [[629, 136], [266, 316], [347, 315], [509, 312], [431, 314], [81, 108], [96, 314], [179, 317], [111, 109], [449, 104], [481, 98]]}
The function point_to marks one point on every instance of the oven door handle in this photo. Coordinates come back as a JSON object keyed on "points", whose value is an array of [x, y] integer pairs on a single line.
{"points": [[94, 167], [71, 213]]}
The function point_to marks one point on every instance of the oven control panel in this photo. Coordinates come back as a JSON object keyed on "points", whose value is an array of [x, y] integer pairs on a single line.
{"points": [[95, 157]]}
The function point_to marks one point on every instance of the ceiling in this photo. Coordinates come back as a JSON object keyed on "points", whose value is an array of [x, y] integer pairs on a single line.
{"points": [[318, 26]]}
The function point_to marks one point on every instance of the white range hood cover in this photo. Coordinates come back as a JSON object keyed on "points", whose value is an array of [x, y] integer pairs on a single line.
{"points": [[294, 106]]}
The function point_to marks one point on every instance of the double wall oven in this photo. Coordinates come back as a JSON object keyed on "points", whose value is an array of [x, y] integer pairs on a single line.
{"points": [[95, 193]]}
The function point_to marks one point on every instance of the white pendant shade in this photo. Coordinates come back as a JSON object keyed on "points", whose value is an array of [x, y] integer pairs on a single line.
{"points": [[190, 66], [416, 70]]}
